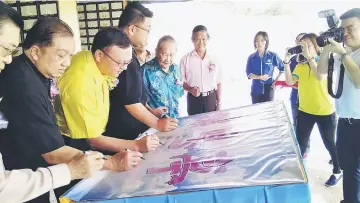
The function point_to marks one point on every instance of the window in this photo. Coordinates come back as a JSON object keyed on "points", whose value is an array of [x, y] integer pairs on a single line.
{"points": [[94, 15], [31, 11]]}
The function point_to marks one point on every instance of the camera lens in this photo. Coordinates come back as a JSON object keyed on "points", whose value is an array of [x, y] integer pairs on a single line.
{"points": [[295, 50], [321, 41]]}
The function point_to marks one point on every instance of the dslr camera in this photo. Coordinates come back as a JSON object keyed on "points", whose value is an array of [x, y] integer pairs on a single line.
{"points": [[335, 32]]}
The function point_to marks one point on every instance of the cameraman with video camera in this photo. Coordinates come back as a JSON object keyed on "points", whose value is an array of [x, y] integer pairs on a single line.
{"points": [[346, 63]]}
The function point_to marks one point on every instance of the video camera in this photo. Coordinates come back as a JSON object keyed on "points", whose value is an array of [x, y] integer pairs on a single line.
{"points": [[297, 50], [335, 32]]}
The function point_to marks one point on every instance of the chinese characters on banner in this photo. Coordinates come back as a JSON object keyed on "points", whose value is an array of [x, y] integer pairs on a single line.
{"points": [[180, 168]]}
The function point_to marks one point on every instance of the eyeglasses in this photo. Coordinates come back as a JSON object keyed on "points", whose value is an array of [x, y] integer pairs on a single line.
{"points": [[146, 30], [9, 51], [120, 64]]}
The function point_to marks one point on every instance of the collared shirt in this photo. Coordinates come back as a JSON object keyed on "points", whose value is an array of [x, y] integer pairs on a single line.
{"points": [[130, 90], [203, 73], [313, 95], [261, 66], [294, 97], [163, 89], [24, 184], [348, 105], [148, 58], [82, 108], [32, 129]]}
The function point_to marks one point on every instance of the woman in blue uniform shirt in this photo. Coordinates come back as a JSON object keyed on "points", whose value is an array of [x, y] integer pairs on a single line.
{"points": [[260, 69]]}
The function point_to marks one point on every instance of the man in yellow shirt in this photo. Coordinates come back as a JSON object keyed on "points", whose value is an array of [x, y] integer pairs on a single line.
{"points": [[82, 107]]}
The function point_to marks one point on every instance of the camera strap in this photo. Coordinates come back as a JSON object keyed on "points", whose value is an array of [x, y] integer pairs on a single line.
{"points": [[330, 78]]}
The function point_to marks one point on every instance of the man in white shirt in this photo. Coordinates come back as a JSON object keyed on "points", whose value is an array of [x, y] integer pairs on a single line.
{"points": [[348, 105], [25, 184]]}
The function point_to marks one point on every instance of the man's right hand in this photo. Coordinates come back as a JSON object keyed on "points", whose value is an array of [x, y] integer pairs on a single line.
{"points": [[264, 77], [195, 91], [147, 143], [167, 124], [125, 160], [84, 166]]}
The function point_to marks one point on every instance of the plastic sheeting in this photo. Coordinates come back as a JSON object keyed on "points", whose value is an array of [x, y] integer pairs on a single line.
{"points": [[237, 148]]}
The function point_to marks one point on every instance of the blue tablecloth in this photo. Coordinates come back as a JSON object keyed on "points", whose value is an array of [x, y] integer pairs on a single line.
{"points": [[296, 193]]}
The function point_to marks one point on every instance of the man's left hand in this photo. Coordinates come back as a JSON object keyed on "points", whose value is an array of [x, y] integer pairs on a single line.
{"points": [[335, 47]]}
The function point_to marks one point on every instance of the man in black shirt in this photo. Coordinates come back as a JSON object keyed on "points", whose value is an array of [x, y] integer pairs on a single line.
{"points": [[129, 113], [32, 137]]}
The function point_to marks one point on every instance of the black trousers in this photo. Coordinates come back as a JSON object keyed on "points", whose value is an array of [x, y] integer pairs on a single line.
{"points": [[327, 125], [45, 198], [348, 139], [198, 105], [267, 96]]}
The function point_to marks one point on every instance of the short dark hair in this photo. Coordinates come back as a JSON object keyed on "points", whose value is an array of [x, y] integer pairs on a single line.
{"points": [[355, 12], [43, 31], [133, 13], [199, 28], [265, 36], [8, 14], [108, 37]]}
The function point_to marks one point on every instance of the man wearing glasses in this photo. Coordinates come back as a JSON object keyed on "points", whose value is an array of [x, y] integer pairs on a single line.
{"points": [[348, 105], [82, 106], [128, 113]]}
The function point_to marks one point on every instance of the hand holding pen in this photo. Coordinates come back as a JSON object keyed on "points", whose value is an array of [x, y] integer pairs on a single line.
{"points": [[125, 160], [148, 143]]}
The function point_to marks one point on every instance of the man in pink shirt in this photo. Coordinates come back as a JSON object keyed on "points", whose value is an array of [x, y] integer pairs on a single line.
{"points": [[201, 75]]}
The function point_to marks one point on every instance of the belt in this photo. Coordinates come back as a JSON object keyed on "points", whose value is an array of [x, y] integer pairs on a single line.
{"points": [[205, 94], [350, 120]]}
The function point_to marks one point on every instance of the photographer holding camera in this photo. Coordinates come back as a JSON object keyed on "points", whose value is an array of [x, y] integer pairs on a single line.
{"points": [[348, 105], [315, 104]]}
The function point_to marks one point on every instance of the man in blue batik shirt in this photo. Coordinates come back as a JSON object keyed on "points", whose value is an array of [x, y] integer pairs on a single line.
{"points": [[162, 80]]}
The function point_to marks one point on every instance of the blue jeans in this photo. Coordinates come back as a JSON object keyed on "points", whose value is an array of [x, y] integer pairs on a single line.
{"points": [[348, 145]]}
